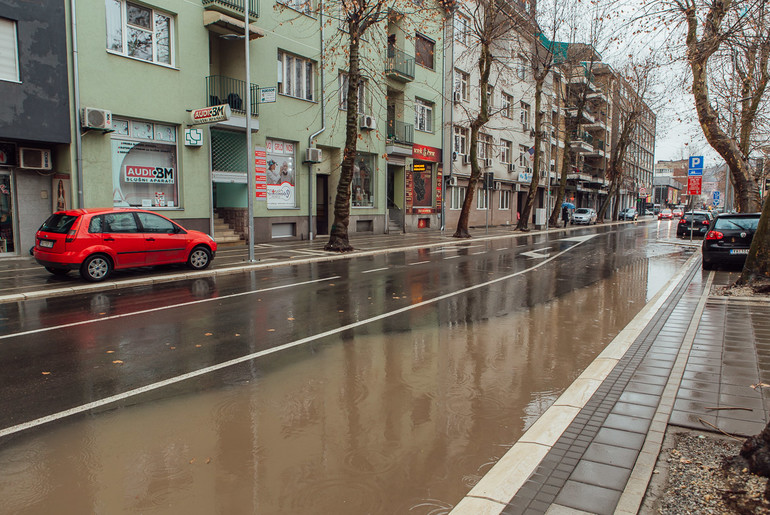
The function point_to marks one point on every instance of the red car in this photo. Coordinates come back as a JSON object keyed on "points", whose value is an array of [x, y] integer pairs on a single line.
{"points": [[678, 213], [97, 241], [665, 214]]}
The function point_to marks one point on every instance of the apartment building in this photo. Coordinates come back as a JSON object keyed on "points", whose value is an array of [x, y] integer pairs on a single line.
{"points": [[35, 127]]}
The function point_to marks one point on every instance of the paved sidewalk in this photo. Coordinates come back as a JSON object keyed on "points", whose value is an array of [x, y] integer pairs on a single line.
{"points": [[686, 360]]}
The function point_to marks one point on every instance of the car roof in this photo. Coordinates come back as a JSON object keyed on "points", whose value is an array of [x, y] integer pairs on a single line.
{"points": [[739, 215], [100, 210]]}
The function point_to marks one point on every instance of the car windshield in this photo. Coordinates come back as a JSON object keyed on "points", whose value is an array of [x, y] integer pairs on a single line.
{"points": [[745, 224], [58, 223], [666, 211], [581, 211]]}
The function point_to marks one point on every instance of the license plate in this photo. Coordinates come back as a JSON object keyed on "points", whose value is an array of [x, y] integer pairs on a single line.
{"points": [[46, 244], [739, 251]]}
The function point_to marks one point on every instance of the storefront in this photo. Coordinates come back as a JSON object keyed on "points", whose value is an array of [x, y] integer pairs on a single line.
{"points": [[423, 188]]}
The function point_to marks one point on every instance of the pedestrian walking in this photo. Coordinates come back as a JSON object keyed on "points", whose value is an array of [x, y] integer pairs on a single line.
{"points": [[565, 215]]}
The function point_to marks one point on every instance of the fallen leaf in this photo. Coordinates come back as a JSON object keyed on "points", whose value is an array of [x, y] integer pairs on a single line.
{"points": [[208, 334], [192, 461], [271, 330], [208, 460], [172, 348], [290, 318], [102, 313], [110, 352], [198, 345], [237, 334], [46, 373], [118, 362], [341, 311]]}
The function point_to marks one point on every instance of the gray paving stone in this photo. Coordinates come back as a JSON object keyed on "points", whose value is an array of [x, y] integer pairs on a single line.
{"points": [[633, 410], [619, 438], [589, 498], [601, 474], [611, 455]]}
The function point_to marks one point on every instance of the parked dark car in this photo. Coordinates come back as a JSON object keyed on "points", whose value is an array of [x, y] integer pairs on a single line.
{"points": [[728, 239], [97, 241], [695, 222], [628, 213]]}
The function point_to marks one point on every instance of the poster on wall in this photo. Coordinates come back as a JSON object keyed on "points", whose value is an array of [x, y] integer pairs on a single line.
{"points": [[143, 174], [280, 179], [62, 194], [362, 181], [422, 184]]}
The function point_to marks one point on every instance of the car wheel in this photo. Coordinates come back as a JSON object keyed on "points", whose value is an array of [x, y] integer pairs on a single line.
{"points": [[96, 268], [57, 271], [199, 258]]}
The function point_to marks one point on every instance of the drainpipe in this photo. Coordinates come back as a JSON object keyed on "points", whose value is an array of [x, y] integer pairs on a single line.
{"points": [[76, 94], [319, 131]]}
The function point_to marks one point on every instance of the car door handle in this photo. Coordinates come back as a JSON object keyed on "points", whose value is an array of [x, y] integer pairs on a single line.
{"points": [[109, 239], [150, 239]]}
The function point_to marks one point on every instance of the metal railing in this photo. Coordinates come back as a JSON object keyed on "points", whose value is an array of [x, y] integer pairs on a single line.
{"points": [[226, 90], [234, 5], [400, 132], [400, 63]]}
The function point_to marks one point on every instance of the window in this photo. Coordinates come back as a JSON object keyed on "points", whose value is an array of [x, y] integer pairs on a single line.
{"points": [[505, 200], [296, 76], [9, 52], [140, 32], [461, 84], [457, 197], [280, 176], [521, 68], [461, 29], [490, 98], [156, 224], [423, 49], [482, 198], [302, 6], [144, 164], [524, 116], [507, 151], [343, 88], [423, 115], [484, 145], [507, 105], [523, 156], [461, 140]]}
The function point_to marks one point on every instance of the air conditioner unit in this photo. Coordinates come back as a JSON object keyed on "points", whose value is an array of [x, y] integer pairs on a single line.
{"points": [[35, 158], [367, 122], [487, 162], [511, 167], [453, 181], [458, 97], [466, 159], [91, 118], [313, 155]]}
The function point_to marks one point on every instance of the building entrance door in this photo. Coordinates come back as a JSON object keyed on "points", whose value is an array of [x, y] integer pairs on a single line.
{"points": [[7, 220], [321, 204]]}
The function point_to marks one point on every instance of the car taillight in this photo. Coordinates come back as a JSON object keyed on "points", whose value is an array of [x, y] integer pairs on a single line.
{"points": [[714, 235], [682, 221], [73, 231], [705, 222]]}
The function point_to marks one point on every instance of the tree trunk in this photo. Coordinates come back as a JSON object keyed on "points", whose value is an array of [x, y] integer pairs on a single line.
{"points": [[523, 223], [338, 236], [757, 266]]}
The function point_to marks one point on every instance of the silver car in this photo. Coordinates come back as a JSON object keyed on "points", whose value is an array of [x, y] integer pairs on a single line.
{"points": [[584, 215]]}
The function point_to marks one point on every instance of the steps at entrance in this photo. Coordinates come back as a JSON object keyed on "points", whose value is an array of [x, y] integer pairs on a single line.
{"points": [[394, 227], [223, 234]]}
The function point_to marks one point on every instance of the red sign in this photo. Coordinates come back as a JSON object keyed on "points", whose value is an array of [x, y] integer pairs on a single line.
{"points": [[694, 184], [211, 114], [426, 153], [260, 174]]}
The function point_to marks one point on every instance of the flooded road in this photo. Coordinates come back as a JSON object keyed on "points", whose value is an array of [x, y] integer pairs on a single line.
{"points": [[400, 414]]}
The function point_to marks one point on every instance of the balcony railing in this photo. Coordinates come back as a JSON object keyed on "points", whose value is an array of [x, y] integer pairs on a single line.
{"points": [[226, 90], [400, 132], [233, 6], [400, 65]]}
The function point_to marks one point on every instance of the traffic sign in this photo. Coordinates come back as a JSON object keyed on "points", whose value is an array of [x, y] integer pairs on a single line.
{"points": [[695, 167], [694, 184], [715, 195]]}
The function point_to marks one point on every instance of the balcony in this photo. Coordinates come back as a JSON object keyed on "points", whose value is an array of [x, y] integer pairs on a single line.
{"points": [[400, 65], [400, 132], [582, 142], [226, 17], [226, 90]]}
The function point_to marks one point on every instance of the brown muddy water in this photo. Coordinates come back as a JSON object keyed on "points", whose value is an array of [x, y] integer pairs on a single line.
{"points": [[366, 423]]}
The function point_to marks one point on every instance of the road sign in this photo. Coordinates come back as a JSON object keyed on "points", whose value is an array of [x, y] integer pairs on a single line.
{"points": [[695, 167], [715, 195], [694, 184]]}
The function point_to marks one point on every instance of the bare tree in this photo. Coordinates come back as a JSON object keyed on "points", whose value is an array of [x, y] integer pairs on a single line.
{"points": [[630, 104]]}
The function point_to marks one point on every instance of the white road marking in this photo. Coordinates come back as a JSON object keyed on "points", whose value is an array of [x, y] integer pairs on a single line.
{"points": [[477, 253], [579, 239], [451, 257], [374, 270], [418, 263], [170, 306], [196, 373], [537, 254]]}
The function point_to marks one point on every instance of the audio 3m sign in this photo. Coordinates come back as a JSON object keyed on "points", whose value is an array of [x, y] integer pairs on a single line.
{"points": [[151, 174], [211, 114]]}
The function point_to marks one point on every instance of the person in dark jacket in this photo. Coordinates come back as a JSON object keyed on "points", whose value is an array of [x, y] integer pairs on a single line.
{"points": [[565, 215]]}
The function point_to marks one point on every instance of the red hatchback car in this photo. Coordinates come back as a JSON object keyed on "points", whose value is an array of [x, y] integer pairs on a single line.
{"points": [[97, 241]]}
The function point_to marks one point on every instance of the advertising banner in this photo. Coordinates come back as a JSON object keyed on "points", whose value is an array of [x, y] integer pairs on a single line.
{"points": [[280, 177]]}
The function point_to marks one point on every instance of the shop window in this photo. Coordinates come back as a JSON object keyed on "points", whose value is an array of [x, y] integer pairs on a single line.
{"points": [[362, 185], [280, 174], [9, 51], [144, 164], [137, 31]]}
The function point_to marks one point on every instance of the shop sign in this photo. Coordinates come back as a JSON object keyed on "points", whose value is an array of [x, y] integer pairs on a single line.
{"points": [[149, 174], [525, 177], [423, 211], [211, 114], [7, 154], [193, 137], [426, 153], [260, 171]]}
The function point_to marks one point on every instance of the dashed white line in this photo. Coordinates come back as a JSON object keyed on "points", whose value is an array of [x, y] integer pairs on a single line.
{"points": [[418, 263], [451, 257], [374, 270]]}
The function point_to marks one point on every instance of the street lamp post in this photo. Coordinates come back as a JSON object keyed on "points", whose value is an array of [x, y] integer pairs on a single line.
{"points": [[251, 179]]}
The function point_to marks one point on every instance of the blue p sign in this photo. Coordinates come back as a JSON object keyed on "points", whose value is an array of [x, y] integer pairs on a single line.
{"points": [[696, 162]]}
